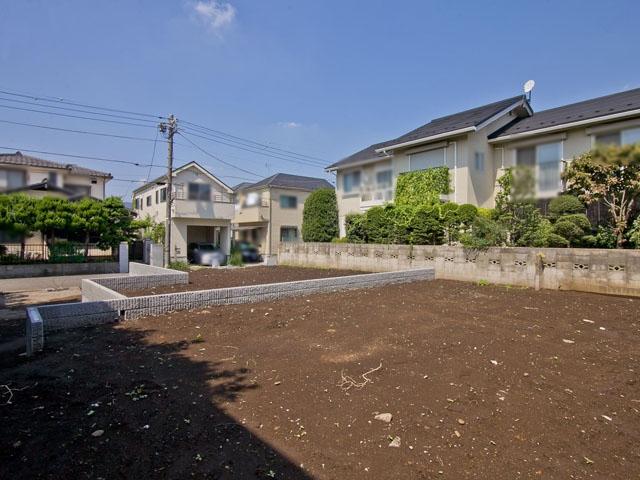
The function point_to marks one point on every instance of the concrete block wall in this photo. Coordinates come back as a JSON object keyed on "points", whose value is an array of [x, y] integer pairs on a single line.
{"points": [[591, 270], [72, 315], [55, 269]]}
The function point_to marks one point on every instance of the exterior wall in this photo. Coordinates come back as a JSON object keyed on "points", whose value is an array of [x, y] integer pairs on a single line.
{"points": [[269, 217], [37, 175], [614, 272]]}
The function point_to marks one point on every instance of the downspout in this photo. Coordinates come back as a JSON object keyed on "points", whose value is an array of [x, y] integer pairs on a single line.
{"points": [[270, 222], [455, 171]]}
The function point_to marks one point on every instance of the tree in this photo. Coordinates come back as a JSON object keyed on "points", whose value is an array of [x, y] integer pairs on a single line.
{"points": [[17, 216], [320, 216], [53, 215], [611, 175]]}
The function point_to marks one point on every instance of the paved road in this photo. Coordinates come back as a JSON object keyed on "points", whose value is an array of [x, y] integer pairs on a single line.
{"points": [[43, 283]]}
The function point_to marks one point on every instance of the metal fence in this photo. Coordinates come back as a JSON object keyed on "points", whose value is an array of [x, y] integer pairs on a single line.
{"points": [[16, 253]]}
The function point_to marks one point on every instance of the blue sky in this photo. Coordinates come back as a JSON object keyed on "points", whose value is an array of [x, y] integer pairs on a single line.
{"points": [[322, 78]]}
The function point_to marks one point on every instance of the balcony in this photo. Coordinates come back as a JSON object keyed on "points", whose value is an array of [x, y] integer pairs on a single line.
{"points": [[252, 214], [204, 209]]}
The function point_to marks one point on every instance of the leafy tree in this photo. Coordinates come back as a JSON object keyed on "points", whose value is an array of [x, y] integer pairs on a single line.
{"points": [[484, 233], [634, 233], [565, 205], [17, 216], [320, 216], [611, 175], [52, 216]]}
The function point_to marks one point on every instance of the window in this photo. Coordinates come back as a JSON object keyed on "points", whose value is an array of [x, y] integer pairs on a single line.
{"points": [[479, 161], [622, 137], [544, 160], [148, 200], [288, 201], [16, 178], [199, 191], [384, 178], [157, 196], [351, 181], [79, 189], [288, 234], [52, 178], [163, 194], [428, 159]]}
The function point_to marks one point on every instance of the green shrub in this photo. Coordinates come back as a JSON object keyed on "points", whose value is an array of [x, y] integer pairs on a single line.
{"points": [[179, 265], [422, 187], [538, 235], [580, 220], [427, 227], [235, 259], [466, 213], [320, 216], [603, 238], [634, 233], [556, 241], [485, 212], [565, 205], [568, 230], [484, 233], [355, 227], [340, 240], [380, 224]]}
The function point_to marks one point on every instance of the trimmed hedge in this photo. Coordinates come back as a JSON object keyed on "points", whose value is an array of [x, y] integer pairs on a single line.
{"points": [[320, 216]]}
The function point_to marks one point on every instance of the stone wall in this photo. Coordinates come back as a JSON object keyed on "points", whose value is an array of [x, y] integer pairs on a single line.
{"points": [[71, 315], [55, 269], [592, 270]]}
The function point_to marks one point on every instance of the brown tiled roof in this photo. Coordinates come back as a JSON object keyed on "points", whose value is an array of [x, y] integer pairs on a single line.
{"points": [[18, 158]]}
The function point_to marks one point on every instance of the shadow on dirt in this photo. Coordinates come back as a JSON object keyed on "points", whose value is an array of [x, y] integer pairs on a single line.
{"points": [[104, 403]]}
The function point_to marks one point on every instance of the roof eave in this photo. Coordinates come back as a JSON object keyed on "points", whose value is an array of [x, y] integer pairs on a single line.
{"points": [[333, 168], [428, 139], [564, 126]]}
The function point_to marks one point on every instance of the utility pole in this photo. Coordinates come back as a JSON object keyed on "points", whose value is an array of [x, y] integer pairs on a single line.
{"points": [[169, 128]]}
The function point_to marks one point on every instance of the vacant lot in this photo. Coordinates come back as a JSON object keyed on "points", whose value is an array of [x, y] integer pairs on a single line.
{"points": [[483, 382], [209, 278]]}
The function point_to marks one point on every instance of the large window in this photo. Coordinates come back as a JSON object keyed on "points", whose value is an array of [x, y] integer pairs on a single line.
{"points": [[622, 137], [384, 179], [16, 178], [288, 234], [288, 201], [351, 182], [544, 160], [428, 159], [199, 191], [148, 200]]}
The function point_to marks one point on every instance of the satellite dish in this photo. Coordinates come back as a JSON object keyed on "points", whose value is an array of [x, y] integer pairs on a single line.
{"points": [[528, 86]]}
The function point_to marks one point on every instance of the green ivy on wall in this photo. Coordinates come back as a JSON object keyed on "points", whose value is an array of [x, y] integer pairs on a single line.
{"points": [[422, 187]]}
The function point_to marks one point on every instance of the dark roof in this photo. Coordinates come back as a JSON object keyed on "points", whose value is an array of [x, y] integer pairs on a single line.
{"points": [[286, 180], [19, 158], [575, 112], [457, 121], [363, 155], [467, 119], [240, 186]]}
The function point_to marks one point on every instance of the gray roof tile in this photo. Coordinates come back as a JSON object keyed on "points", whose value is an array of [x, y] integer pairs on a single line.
{"points": [[585, 110], [18, 158], [286, 180]]}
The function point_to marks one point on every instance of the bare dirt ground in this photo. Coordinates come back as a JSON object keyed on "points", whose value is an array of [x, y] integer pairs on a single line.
{"points": [[482, 382], [209, 278]]}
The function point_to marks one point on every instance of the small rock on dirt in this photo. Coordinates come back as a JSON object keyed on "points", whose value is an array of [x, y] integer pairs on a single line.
{"points": [[395, 443], [567, 341], [384, 417], [461, 421], [97, 433]]}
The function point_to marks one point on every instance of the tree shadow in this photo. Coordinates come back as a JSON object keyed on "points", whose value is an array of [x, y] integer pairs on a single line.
{"points": [[103, 402]]}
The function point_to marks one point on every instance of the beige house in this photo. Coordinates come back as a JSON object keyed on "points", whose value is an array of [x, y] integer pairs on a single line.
{"points": [[478, 144], [202, 208], [270, 211], [38, 177]]}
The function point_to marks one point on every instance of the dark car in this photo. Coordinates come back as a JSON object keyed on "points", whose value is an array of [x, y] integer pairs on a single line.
{"points": [[250, 253], [206, 254]]}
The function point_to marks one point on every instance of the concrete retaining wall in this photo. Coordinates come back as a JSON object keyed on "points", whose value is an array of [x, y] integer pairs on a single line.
{"points": [[590, 270], [55, 269], [71, 315]]}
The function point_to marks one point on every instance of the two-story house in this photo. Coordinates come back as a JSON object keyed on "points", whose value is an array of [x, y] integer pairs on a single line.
{"points": [[39, 177], [270, 211], [478, 144], [201, 211]]}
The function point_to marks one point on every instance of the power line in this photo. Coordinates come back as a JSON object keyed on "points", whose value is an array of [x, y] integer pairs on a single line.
{"points": [[111, 115], [258, 144], [84, 157], [119, 122], [267, 154], [215, 157], [86, 132], [47, 98]]}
